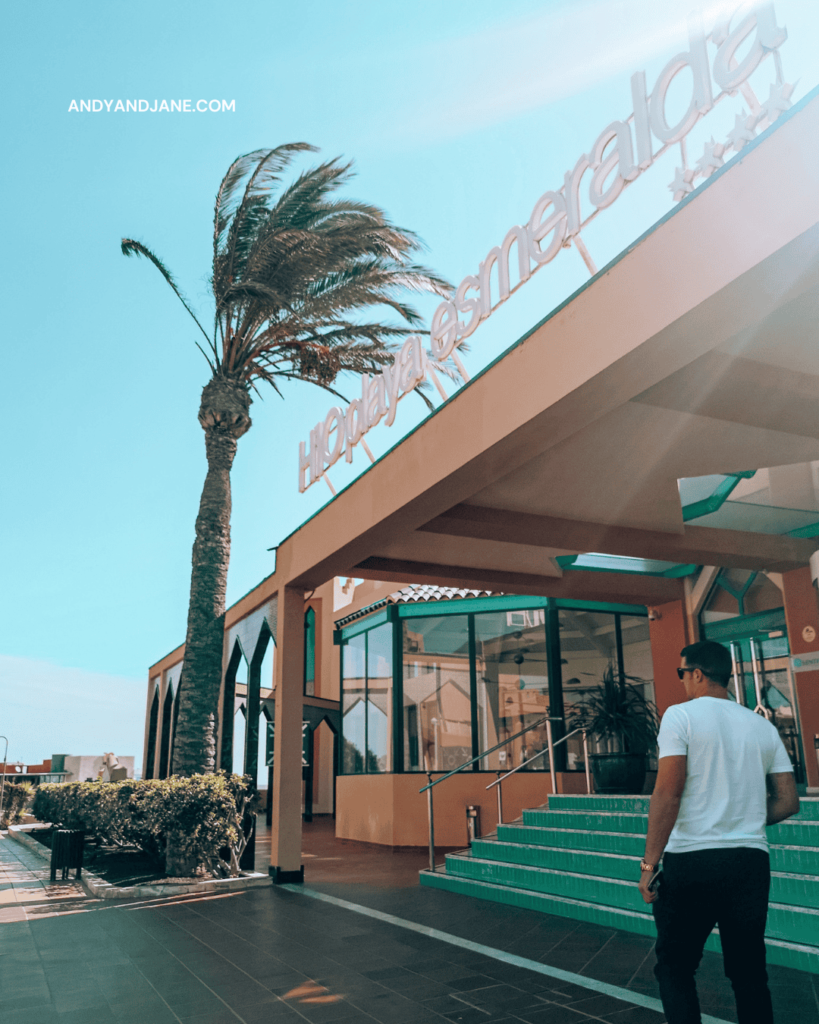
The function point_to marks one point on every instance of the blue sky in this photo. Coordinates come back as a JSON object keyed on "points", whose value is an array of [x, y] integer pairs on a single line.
{"points": [[458, 116]]}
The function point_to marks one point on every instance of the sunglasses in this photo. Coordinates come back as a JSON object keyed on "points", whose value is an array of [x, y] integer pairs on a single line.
{"points": [[681, 671]]}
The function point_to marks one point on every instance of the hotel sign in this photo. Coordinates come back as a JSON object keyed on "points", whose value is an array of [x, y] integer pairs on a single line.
{"points": [[619, 155]]}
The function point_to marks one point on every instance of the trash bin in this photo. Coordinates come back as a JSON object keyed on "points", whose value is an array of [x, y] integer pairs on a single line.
{"points": [[67, 847], [473, 823], [247, 862]]}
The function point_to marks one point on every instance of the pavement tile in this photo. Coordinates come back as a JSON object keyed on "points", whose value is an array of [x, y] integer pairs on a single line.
{"points": [[599, 1005], [143, 1011], [470, 1015], [554, 1014], [389, 1007], [640, 1015], [265, 943], [87, 1015], [219, 1017], [43, 1014]]}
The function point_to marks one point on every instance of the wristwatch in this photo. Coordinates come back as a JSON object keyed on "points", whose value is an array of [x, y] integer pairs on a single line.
{"points": [[647, 867]]}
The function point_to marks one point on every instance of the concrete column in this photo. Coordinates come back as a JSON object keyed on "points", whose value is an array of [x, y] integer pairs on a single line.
{"points": [[667, 630], [285, 844], [802, 618]]}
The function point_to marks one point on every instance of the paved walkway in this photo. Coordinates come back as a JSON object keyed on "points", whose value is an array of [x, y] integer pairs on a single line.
{"points": [[362, 942]]}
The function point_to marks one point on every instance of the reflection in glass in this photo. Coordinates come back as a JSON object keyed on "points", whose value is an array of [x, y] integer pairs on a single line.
{"points": [[379, 698], [239, 726], [354, 681], [437, 709], [776, 698], [637, 661], [513, 686], [588, 643], [367, 702]]}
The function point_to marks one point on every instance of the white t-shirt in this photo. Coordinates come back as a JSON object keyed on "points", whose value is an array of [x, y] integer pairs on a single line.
{"points": [[730, 750]]}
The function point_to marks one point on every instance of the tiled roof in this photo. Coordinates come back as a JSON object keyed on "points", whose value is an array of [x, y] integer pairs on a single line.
{"points": [[413, 594]]}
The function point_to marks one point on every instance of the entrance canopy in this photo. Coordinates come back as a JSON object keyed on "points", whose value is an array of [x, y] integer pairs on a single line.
{"points": [[693, 354]]}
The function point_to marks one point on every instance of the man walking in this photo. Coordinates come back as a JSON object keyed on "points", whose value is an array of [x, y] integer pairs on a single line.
{"points": [[723, 776]]}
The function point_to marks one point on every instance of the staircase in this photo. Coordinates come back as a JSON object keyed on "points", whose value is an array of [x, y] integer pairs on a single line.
{"points": [[578, 857]]}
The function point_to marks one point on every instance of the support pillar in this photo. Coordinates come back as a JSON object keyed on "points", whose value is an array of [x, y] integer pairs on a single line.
{"points": [[667, 630], [285, 830], [802, 618]]}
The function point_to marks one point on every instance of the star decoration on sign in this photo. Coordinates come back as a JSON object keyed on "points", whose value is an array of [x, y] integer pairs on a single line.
{"points": [[711, 159], [682, 183], [778, 101], [742, 132]]}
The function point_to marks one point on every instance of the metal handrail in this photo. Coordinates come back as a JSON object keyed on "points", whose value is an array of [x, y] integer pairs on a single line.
{"points": [[486, 753], [550, 750], [428, 788]]}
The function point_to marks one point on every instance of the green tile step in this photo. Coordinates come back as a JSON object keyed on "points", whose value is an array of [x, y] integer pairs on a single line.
{"points": [[599, 802], [798, 955], [790, 886], [791, 922], [795, 831], [808, 809], [628, 843], [784, 857]]}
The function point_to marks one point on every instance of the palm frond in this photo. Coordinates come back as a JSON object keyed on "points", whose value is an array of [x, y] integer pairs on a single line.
{"points": [[130, 247], [269, 165], [308, 284]]}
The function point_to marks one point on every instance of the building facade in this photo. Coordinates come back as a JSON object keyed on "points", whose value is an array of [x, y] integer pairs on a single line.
{"points": [[639, 470]]}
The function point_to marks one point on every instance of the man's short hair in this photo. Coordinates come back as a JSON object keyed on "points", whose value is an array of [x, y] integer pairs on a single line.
{"points": [[712, 659]]}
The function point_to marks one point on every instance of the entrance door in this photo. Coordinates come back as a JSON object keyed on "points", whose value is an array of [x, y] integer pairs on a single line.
{"points": [[763, 681]]}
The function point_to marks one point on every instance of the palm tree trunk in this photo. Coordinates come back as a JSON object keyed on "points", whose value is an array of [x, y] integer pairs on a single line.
{"points": [[223, 415]]}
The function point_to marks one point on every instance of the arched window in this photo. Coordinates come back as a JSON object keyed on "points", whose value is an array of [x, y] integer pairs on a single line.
{"points": [[165, 747], [310, 653], [150, 753]]}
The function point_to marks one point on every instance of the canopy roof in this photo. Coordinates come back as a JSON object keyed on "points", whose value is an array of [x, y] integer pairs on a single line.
{"points": [[689, 360]]}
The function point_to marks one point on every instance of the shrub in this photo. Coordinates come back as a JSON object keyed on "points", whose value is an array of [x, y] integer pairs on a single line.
{"points": [[16, 796], [194, 824]]}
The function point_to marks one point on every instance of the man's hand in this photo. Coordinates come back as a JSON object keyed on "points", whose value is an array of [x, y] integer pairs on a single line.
{"points": [[647, 885], [662, 813]]}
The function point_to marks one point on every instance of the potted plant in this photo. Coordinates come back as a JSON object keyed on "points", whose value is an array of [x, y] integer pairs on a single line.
{"points": [[617, 714]]}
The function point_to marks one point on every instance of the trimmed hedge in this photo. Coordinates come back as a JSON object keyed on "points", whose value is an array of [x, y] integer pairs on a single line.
{"points": [[192, 824], [16, 797]]}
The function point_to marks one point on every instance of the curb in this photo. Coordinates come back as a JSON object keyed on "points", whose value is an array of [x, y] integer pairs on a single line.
{"points": [[96, 886]]}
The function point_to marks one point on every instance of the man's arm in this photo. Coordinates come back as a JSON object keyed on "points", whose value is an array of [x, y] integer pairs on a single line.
{"points": [[662, 813], [783, 800]]}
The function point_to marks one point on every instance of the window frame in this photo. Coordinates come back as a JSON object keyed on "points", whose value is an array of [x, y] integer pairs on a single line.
{"points": [[470, 607]]}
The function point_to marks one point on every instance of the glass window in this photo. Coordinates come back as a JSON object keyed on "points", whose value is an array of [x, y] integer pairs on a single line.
{"points": [[740, 592], [354, 687], [637, 661], [437, 707], [379, 698], [310, 653], [588, 643], [513, 686], [239, 729], [367, 702]]}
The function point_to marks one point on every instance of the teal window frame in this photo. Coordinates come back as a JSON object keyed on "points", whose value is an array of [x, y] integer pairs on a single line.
{"points": [[470, 607], [309, 653]]}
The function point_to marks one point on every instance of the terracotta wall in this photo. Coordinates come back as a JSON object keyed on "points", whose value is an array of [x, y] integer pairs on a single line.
{"points": [[668, 637], [389, 810], [802, 618]]}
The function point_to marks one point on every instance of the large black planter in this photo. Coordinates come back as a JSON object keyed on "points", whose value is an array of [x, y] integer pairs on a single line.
{"points": [[618, 773]]}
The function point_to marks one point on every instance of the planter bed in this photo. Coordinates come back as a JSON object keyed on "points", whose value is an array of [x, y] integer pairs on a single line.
{"points": [[129, 873]]}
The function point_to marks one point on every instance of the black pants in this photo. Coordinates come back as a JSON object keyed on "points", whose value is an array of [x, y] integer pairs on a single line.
{"points": [[696, 891]]}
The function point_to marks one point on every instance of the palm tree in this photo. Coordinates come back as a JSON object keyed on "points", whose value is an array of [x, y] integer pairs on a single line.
{"points": [[294, 270]]}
